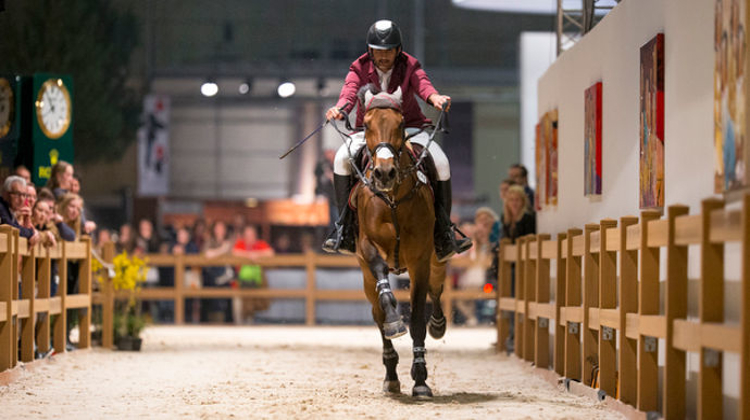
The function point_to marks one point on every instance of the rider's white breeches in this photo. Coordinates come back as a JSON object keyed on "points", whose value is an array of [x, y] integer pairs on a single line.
{"points": [[341, 162]]}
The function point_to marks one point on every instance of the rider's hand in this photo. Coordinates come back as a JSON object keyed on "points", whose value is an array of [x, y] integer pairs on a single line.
{"points": [[437, 100], [334, 113]]}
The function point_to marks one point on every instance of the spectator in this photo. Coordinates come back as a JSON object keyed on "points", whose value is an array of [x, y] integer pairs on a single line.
{"points": [[199, 233], [217, 310], [125, 240], [238, 223], [59, 181], [184, 246], [23, 172], [520, 175], [13, 205], [497, 230], [250, 276], [31, 194], [102, 237], [69, 207], [518, 219], [282, 245], [480, 255], [75, 184], [146, 242]]}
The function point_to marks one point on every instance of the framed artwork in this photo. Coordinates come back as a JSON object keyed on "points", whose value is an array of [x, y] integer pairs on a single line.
{"points": [[549, 129], [541, 172], [592, 149], [652, 125], [730, 43]]}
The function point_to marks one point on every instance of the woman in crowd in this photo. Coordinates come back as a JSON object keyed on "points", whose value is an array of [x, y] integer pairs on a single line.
{"points": [[219, 244], [249, 246], [60, 179], [125, 240], [518, 219]]}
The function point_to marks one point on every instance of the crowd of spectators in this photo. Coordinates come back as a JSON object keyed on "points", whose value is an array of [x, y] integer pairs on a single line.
{"points": [[517, 218]]}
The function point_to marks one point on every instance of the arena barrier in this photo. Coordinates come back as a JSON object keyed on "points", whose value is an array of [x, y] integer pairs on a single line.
{"points": [[25, 320], [311, 294], [614, 345]]}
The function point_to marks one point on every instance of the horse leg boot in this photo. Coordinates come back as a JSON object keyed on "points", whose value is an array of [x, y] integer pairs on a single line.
{"points": [[446, 243], [342, 239], [391, 384], [393, 325]]}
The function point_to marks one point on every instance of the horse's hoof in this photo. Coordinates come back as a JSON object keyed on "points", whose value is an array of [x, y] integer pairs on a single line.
{"points": [[421, 392], [393, 330], [392, 387], [437, 327]]}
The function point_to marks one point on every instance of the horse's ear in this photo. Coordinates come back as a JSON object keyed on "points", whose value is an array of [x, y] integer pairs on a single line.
{"points": [[397, 95], [368, 98]]}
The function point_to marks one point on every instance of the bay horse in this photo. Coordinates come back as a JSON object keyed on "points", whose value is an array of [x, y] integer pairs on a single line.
{"points": [[396, 218]]}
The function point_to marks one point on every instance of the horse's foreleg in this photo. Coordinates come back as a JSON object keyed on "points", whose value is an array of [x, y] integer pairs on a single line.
{"points": [[393, 325], [418, 332], [391, 384], [437, 321]]}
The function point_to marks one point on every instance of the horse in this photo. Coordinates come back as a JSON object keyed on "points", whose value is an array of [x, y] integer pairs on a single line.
{"points": [[396, 218]]}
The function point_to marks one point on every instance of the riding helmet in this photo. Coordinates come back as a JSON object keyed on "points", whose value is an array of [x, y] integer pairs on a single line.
{"points": [[384, 35]]}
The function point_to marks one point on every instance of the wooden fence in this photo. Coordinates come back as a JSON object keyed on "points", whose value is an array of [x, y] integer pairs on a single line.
{"points": [[311, 262], [19, 314], [592, 329]]}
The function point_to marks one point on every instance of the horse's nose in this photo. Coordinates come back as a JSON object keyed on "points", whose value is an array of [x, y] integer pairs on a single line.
{"points": [[385, 175]]}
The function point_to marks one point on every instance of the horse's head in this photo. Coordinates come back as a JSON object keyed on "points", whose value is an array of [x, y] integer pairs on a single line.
{"points": [[384, 133]]}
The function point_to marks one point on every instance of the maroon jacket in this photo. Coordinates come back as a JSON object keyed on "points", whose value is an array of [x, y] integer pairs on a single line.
{"points": [[407, 73]]}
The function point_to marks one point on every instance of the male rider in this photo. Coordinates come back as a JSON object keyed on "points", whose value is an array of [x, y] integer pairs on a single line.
{"points": [[386, 66]]}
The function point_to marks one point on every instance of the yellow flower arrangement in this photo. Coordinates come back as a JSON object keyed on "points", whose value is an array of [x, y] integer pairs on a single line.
{"points": [[130, 272]]}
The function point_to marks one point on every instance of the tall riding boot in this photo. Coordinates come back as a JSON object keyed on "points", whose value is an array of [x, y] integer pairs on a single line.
{"points": [[446, 243], [342, 239]]}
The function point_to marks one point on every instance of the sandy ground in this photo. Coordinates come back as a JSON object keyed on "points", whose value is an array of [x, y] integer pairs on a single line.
{"points": [[286, 372]]}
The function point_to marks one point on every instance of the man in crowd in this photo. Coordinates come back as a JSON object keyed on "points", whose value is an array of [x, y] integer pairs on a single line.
{"points": [[14, 208], [520, 175]]}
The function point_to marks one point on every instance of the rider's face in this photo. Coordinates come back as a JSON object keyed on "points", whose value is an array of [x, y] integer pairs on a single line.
{"points": [[384, 59]]}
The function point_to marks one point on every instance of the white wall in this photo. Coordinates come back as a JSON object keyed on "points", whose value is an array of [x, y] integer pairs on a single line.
{"points": [[537, 51], [611, 54]]}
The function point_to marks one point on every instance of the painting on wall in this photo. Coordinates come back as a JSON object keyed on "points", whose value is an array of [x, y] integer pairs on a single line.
{"points": [[730, 40], [592, 149], [652, 124], [541, 172], [550, 129]]}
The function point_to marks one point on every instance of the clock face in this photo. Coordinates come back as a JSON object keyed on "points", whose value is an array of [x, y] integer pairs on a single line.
{"points": [[7, 104], [53, 108]]}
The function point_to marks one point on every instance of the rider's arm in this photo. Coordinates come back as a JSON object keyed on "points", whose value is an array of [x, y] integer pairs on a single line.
{"points": [[424, 88]]}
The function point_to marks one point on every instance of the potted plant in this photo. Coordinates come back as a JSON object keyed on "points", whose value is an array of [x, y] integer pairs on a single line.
{"points": [[130, 274]]}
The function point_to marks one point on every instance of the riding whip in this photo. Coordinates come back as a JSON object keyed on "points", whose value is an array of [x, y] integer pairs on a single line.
{"points": [[299, 143]]}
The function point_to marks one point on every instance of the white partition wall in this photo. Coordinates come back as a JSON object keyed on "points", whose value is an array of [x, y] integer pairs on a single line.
{"points": [[611, 54]]}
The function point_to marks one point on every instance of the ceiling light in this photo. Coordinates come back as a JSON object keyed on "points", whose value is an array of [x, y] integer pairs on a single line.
{"points": [[209, 88], [286, 89]]}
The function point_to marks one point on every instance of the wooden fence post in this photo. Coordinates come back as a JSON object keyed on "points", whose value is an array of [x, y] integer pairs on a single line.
{"points": [[628, 305], [529, 295], [560, 324], [310, 292], [648, 301], [519, 289], [44, 276], [607, 304], [108, 303], [7, 279], [744, 400], [179, 289], [503, 291], [572, 302], [590, 300], [541, 355], [710, 309], [28, 275], [84, 288], [61, 323], [675, 308]]}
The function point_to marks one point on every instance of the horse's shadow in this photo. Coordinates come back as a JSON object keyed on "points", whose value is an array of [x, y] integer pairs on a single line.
{"points": [[456, 398]]}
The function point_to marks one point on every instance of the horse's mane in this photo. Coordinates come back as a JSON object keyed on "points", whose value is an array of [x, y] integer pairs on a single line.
{"points": [[370, 97]]}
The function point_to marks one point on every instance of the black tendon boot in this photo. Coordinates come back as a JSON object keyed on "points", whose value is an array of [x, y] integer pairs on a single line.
{"points": [[342, 239], [446, 243]]}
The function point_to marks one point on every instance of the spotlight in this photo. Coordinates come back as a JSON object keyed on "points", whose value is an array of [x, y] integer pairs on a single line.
{"points": [[209, 88], [286, 89], [246, 87]]}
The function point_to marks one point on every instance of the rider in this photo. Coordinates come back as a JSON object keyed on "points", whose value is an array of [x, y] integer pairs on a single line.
{"points": [[388, 67]]}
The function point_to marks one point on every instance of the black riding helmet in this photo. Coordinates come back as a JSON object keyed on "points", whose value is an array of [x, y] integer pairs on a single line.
{"points": [[384, 35]]}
